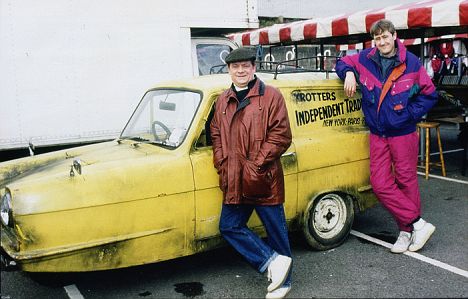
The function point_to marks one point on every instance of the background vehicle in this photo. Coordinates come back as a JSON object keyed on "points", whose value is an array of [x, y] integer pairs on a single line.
{"points": [[70, 69], [153, 194]]}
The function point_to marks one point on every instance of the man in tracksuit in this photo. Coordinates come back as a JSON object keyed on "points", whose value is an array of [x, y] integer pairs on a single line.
{"points": [[396, 93]]}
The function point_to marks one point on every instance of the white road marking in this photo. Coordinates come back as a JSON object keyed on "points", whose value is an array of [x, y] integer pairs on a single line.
{"points": [[443, 178], [413, 254], [444, 152], [73, 292]]}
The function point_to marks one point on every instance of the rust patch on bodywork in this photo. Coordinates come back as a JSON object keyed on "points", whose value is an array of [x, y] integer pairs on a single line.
{"points": [[288, 161], [13, 171], [86, 245]]}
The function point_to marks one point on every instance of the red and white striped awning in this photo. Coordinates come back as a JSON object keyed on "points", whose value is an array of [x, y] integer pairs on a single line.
{"points": [[406, 42], [422, 14]]}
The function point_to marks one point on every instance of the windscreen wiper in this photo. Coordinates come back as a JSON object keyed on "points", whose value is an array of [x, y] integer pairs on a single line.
{"points": [[138, 138]]}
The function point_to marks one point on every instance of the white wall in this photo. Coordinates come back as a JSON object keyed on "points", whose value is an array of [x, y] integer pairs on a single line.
{"points": [[308, 9], [75, 70]]}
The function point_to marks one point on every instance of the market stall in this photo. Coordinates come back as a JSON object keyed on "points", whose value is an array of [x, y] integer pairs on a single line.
{"points": [[434, 30]]}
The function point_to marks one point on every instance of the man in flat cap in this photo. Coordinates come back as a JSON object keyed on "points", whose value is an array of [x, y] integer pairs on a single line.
{"points": [[250, 131]]}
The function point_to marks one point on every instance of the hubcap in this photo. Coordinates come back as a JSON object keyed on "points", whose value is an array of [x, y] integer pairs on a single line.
{"points": [[329, 216]]}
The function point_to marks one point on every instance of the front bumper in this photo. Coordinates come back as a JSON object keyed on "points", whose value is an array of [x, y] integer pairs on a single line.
{"points": [[6, 262], [9, 245]]}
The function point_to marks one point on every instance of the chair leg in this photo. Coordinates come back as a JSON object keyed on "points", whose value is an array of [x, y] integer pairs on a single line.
{"points": [[420, 159], [465, 159], [441, 153], [427, 152]]}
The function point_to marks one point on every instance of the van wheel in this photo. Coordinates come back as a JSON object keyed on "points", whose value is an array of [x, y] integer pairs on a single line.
{"points": [[328, 220]]}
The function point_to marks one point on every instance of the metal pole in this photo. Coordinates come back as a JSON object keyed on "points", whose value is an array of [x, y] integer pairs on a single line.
{"points": [[322, 63], [271, 65], [296, 54], [422, 132], [421, 49]]}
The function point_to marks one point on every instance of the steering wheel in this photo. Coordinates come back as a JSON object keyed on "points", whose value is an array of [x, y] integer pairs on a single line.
{"points": [[163, 126]]}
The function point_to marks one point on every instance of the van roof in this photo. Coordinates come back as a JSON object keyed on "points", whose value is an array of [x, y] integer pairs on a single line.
{"points": [[223, 81]]}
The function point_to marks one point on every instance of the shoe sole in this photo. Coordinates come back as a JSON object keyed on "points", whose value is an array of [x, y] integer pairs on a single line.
{"points": [[413, 249], [277, 297], [397, 251], [272, 287]]}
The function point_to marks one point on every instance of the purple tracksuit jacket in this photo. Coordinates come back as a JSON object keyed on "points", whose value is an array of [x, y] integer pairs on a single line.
{"points": [[410, 96]]}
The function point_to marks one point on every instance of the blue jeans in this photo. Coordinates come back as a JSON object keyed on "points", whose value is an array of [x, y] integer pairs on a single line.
{"points": [[233, 227]]}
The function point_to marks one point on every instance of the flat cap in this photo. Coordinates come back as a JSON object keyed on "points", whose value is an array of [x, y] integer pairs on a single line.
{"points": [[241, 54]]}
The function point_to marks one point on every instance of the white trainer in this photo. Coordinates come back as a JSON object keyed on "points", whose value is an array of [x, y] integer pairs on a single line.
{"points": [[422, 232], [402, 243], [279, 293], [278, 270]]}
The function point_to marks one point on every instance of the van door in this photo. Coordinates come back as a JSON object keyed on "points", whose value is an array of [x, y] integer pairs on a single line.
{"points": [[208, 195]]}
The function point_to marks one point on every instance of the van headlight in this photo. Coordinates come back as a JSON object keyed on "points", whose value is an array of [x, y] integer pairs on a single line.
{"points": [[5, 208]]}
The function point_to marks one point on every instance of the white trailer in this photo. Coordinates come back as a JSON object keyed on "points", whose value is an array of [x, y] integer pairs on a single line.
{"points": [[73, 71]]}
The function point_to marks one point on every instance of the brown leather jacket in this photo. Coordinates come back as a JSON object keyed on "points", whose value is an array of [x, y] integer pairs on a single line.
{"points": [[248, 141]]}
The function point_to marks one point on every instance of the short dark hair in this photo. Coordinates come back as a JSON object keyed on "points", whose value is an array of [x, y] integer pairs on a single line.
{"points": [[380, 26]]}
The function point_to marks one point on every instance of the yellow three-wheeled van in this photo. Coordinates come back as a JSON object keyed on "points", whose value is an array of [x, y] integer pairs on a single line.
{"points": [[152, 194]]}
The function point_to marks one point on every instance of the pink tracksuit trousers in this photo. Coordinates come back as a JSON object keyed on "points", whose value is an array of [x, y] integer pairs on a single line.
{"points": [[393, 163]]}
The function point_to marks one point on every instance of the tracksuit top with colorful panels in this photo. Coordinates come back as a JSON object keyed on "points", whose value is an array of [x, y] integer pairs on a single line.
{"points": [[411, 93]]}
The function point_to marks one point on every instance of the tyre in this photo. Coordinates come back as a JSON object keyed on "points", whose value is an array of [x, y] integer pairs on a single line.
{"points": [[328, 220]]}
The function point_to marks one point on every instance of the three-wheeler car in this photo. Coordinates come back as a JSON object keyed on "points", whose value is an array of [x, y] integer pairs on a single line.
{"points": [[152, 194]]}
